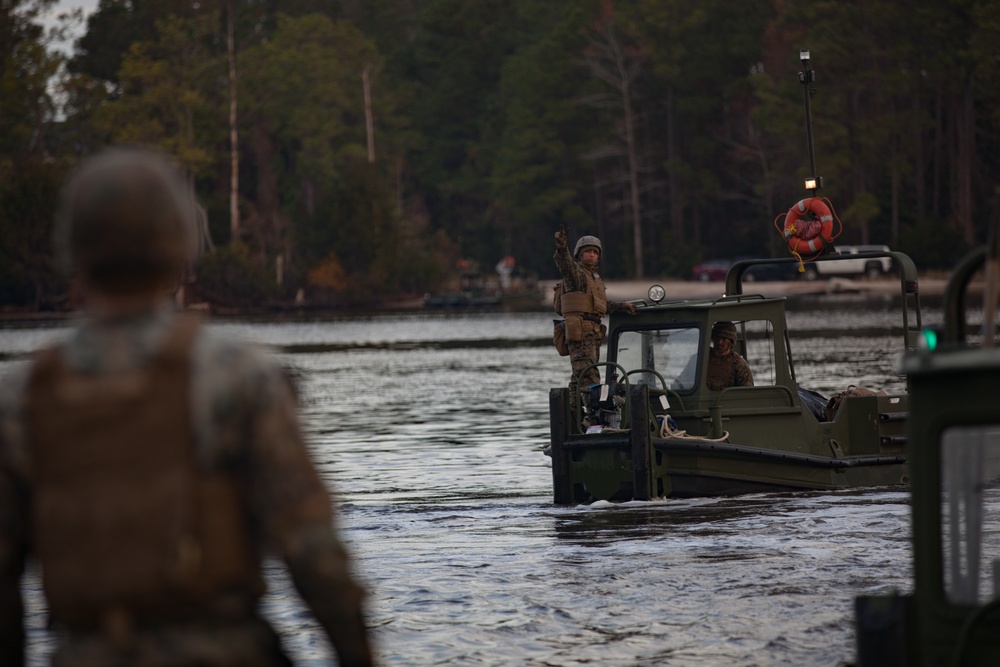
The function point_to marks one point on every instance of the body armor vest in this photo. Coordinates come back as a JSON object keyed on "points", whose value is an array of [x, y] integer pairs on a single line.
{"points": [[720, 371], [592, 300], [124, 522]]}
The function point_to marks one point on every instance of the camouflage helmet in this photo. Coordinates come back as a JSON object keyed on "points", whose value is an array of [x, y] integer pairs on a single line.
{"points": [[586, 241], [723, 329], [126, 222]]}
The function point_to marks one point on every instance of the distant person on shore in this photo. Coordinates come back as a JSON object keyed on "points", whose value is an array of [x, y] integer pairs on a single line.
{"points": [[147, 464], [583, 301], [726, 368]]}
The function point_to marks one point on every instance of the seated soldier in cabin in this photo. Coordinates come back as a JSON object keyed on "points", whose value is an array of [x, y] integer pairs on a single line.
{"points": [[726, 368]]}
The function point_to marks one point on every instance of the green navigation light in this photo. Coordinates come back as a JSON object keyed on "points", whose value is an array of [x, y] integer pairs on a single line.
{"points": [[929, 340]]}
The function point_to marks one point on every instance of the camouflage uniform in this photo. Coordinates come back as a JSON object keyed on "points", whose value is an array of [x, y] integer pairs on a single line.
{"points": [[731, 370], [243, 417], [588, 351]]}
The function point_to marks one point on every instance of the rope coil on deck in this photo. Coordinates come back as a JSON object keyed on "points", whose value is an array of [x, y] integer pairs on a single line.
{"points": [[669, 432]]}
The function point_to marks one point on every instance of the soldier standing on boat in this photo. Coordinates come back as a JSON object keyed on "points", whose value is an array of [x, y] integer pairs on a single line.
{"points": [[582, 301], [726, 368], [148, 464]]}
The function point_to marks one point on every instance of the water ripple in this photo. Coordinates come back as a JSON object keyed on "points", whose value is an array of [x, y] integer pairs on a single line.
{"points": [[434, 452]]}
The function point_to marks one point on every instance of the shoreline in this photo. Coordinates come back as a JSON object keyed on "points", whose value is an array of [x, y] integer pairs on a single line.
{"points": [[617, 290]]}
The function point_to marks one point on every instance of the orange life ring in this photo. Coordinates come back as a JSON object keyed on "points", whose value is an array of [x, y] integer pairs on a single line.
{"points": [[808, 235]]}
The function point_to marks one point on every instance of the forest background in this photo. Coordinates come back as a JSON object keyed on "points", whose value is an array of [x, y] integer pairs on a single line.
{"points": [[345, 152]]}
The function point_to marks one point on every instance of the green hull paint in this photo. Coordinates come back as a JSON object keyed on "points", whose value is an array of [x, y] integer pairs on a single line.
{"points": [[738, 440]]}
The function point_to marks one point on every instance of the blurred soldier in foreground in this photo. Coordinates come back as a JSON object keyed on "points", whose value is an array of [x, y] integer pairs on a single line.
{"points": [[583, 301], [148, 464]]}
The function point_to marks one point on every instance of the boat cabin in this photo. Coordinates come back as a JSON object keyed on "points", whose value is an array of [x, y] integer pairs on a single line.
{"points": [[668, 350]]}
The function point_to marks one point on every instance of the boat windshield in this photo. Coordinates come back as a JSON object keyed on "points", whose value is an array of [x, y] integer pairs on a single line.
{"points": [[675, 353], [672, 352], [970, 513]]}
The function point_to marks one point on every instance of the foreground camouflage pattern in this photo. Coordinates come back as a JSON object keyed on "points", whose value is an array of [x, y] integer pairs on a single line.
{"points": [[244, 410]]}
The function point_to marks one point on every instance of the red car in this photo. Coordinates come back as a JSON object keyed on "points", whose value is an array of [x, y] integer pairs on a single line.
{"points": [[713, 269]]}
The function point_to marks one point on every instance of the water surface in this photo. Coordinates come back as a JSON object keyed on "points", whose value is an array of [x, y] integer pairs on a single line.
{"points": [[430, 429]]}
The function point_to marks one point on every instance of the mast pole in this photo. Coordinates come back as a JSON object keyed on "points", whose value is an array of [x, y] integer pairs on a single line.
{"points": [[807, 77]]}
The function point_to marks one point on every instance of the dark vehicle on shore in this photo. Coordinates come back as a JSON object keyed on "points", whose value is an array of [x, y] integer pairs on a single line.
{"points": [[716, 270], [770, 271], [654, 429], [952, 617], [712, 269], [474, 290]]}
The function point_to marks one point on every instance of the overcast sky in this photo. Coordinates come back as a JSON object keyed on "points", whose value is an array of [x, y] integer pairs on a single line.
{"points": [[64, 6], [68, 5]]}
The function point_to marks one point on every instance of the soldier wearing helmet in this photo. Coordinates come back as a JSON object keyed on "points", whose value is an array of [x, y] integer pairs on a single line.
{"points": [[588, 242], [147, 464], [726, 368], [583, 302]]}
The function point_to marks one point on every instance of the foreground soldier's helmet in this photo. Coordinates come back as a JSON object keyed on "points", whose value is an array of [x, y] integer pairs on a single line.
{"points": [[126, 222], [587, 241], [724, 330]]}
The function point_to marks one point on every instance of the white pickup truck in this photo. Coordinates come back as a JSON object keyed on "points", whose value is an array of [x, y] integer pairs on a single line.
{"points": [[871, 267]]}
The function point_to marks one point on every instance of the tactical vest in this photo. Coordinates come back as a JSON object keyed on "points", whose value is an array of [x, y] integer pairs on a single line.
{"points": [[720, 371], [124, 522], [592, 300]]}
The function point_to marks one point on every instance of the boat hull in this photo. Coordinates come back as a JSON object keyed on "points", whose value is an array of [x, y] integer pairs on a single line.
{"points": [[635, 464]]}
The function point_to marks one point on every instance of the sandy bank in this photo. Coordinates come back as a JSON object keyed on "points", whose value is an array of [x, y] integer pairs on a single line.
{"points": [[625, 290]]}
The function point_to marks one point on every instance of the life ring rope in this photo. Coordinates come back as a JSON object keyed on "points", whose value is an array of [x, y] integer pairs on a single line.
{"points": [[822, 208]]}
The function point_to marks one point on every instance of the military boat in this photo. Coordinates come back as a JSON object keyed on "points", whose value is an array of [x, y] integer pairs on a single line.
{"points": [[654, 428], [952, 617]]}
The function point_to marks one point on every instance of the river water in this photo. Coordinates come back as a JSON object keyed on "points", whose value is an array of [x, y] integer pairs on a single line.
{"points": [[430, 427]]}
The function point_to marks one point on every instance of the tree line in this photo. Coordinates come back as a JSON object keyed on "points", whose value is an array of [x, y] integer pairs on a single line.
{"points": [[344, 151]]}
